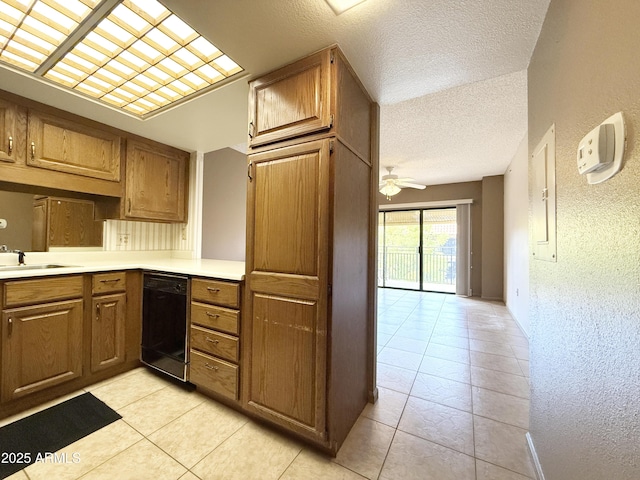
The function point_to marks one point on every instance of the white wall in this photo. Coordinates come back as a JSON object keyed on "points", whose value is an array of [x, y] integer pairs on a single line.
{"points": [[224, 205], [516, 237], [585, 307]]}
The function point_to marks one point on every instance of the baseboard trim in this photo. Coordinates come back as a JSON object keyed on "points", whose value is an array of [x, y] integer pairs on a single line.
{"points": [[517, 322], [534, 457]]}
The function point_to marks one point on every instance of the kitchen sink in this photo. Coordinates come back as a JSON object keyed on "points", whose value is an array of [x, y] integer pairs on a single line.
{"points": [[12, 268]]}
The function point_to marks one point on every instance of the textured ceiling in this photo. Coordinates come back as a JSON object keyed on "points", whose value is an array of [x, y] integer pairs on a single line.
{"points": [[403, 50]]}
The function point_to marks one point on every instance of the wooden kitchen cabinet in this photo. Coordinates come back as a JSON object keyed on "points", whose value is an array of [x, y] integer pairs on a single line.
{"points": [[41, 334], [61, 145], [156, 182], [64, 222], [12, 132], [214, 342], [309, 320], [108, 320], [292, 101]]}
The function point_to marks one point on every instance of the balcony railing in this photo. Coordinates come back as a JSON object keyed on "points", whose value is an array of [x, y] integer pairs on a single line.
{"points": [[400, 267]]}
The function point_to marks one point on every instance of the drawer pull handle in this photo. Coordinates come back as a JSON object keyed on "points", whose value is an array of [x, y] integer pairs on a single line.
{"points": [[211, 367], [213, 290], [110, 281], [212, 315], [212, 340], [33, 149], [10, 326], [10, 144]]}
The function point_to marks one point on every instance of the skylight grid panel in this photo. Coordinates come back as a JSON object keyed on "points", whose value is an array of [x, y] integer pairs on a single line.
{"points": [[115, 33], [168, 93], [157, 99], [86, 66], [18, 61], [114, 100], [11, 14], [145, 51], [69, 70], [90, 54], [130, 21], [101, 85], [45, 32], [209, 73], [120, 69], [27, 53], [125, 95], [88, 89], [171, 67], [161, 42], [194, 81], [3, 41], [132, 61], [36, 43], [178, 30], [73, 9], [204, 49], [109, 77], [181, 88], [102, 44], [187, 59], [158, 75], [151, 10], [135, 109], [60, 78], [53, 18], [227, 66], [134, 89], [145, 82]]}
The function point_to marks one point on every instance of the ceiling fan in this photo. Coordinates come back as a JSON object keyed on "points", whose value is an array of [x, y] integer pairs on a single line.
{"points": [[391, 184]]}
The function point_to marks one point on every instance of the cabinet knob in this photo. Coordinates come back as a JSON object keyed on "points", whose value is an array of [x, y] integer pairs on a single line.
{"points": [[10, 149]]}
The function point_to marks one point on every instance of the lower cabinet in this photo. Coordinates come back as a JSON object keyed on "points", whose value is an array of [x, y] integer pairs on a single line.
{"points": [[41, 342], [215, 346], [108, 322]]}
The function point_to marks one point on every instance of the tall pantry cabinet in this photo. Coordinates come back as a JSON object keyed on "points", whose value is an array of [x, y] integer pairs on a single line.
{"points": [[307, 341]]}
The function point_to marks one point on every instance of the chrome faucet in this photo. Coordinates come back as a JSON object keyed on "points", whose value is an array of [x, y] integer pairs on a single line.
{"points": [[21, 254]]}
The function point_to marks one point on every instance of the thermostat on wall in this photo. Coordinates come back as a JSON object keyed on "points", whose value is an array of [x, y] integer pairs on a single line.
{"points": [[600, 152]]}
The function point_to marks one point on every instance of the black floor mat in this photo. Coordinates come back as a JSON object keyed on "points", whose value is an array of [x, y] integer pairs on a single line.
{"points": [[28, 440]]}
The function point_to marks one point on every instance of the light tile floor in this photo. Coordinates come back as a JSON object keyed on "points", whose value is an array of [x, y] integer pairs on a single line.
{"points": [[454, 402]]}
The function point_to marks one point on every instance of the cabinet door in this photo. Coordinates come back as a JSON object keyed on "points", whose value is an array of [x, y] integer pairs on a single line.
{"points": [[65, 146], [41, 347], [108, 331], [156, 186], [12, 133], [292, 101], [287, 280]]}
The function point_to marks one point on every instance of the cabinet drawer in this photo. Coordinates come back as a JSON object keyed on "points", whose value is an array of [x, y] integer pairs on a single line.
{"points": [[109, 282], [212, 291], [214, 374], [28, 292], [215, 343], [218, 318]]}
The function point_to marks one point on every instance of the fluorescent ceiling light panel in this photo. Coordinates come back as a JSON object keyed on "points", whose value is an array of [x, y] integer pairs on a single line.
{"points": [[140, 56], [340, 6]]}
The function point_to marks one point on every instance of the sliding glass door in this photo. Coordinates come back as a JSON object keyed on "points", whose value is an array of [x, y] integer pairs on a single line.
{"points": [[417, 249]]}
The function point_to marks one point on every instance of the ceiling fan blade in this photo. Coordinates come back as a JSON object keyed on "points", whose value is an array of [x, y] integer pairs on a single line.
{"points": [[411, 185], [404, 180]]}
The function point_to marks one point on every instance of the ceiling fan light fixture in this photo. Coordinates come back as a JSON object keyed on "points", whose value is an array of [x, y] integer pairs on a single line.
{"points": [[389, 189], [341, 6]]}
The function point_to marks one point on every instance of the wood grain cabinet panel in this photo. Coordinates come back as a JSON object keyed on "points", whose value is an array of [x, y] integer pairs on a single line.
{"points": [[108, 331], [214, 374], [12, 132], [41, 347], [292, 101], [216, 292], [156, 182], [61, 145], [308, 348]]}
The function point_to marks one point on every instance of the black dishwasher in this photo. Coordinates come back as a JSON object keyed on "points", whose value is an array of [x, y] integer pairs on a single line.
{"points": [[164, 323]]}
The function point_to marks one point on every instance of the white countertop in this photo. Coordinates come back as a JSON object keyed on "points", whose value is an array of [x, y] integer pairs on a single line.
{"points": [[87, 262]]}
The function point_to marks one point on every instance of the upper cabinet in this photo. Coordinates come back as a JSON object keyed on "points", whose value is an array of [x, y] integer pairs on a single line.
{"points": [[156, 182], [61, 145], [292, 101], [12, 134]]}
